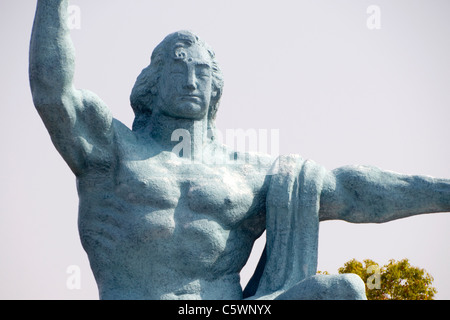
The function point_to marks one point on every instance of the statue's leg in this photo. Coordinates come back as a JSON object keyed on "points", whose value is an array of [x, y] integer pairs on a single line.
{"points": [[327, 287]]}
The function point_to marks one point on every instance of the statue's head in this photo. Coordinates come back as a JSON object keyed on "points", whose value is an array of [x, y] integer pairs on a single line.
{"points": [[182, 81]]}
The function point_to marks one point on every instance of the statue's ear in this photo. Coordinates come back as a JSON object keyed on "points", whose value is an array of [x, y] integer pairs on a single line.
{"points": [[214, 93]]}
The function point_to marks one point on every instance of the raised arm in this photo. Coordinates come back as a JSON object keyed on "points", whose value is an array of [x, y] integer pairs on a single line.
{"points": [[362, 194], [79, 123]]}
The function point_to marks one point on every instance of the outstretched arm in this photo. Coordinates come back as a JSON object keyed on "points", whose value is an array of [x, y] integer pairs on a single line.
{"points": [[362, 194], [79, 123]]}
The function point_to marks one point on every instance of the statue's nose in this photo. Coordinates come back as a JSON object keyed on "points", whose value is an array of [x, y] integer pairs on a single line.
{"points": [[191, 81]]}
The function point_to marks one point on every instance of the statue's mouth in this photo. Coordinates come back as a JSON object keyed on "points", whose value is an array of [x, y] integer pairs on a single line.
{"points": [[191, 98]]}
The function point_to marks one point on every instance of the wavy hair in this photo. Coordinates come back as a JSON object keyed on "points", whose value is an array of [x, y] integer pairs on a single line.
{"points": [[144, 93]]}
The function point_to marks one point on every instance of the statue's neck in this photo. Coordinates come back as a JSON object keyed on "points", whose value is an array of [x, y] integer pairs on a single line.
{"points": [[185, 137]]}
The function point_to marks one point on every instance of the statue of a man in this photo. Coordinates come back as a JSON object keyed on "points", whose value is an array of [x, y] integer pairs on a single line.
{"points": [[159, 226]]}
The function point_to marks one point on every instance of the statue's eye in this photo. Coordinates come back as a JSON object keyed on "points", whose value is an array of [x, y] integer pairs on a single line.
{"points": [[203, 71]]}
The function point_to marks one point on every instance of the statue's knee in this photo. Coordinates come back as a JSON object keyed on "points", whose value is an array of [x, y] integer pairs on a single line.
{"points": [[327, 287], [351, 287]]}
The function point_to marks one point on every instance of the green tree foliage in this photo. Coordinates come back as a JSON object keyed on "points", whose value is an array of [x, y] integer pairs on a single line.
{"points": [[397, 280]]}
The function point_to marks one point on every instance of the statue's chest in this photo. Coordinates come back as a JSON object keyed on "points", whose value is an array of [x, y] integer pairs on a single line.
{"points": [[167, 182]]}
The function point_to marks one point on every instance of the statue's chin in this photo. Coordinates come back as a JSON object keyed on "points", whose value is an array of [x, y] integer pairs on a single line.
{"points": [[187, 110]]}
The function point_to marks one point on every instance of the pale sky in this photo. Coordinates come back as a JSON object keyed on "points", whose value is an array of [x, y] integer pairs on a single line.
{"points": [[338, 92]]}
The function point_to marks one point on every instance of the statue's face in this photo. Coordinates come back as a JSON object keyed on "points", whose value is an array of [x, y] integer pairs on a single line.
{"points": [[185, 86]]}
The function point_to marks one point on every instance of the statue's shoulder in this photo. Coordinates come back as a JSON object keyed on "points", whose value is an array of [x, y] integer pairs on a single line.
{"points": [[120, 128], [243, 159], [130, 144], [123, 134]]}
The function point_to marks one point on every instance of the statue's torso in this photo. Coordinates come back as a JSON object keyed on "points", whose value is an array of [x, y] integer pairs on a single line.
{"points": [[158, 226]]}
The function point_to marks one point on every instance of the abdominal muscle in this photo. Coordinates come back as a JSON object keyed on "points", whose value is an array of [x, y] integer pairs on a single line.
{"points": [[139, 252]]}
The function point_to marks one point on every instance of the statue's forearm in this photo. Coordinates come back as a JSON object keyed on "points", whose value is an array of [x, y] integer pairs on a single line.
{"points": [[367, 195], [442, 188], [416, 195], [51, 51]]}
